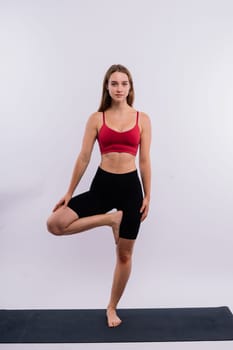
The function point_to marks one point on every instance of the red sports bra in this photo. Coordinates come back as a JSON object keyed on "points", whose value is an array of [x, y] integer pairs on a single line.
{"points": [[119, 141]]}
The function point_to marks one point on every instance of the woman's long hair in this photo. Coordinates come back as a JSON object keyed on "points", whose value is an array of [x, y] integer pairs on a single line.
{"points": [[106, 98]]}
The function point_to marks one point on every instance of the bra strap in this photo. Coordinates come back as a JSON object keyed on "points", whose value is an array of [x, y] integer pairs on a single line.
{"points": [[103, 118], [137, 117]]}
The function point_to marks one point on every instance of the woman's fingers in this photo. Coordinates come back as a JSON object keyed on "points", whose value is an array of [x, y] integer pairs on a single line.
{"points": [[144, 209], [63, 202], [59, 204]]}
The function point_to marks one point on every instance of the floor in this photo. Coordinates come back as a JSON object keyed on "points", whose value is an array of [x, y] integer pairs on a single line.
{"points": [[228, 345]]}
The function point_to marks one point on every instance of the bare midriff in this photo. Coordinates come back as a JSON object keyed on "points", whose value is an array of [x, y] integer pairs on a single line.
{"points": [[118, 163]]}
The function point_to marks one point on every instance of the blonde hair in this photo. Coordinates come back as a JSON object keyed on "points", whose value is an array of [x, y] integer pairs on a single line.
{"points": [[106, 98]]}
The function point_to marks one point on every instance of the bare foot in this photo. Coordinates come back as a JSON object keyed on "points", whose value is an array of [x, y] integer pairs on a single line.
{"points": [[117, 217], [113, 319]]}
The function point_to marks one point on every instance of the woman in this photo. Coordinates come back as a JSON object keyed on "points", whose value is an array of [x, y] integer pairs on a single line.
{"points": [[120, 130]]}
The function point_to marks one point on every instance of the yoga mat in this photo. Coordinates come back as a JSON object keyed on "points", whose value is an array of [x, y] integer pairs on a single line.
{"points": [[139, 325]]}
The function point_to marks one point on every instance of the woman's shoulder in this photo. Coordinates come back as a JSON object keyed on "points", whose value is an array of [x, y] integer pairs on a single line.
{"points": [[95, 118], [95, 121], [143, 115], [144, 119]]}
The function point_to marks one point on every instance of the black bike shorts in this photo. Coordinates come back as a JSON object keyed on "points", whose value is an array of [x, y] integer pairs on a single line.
{"points": [[113, 191]]}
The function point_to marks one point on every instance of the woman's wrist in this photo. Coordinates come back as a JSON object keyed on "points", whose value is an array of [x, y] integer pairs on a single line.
{"points": [[69, 193]]}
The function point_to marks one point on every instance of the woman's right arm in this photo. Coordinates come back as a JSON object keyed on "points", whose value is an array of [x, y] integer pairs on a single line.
{"points": [[82, 160]]}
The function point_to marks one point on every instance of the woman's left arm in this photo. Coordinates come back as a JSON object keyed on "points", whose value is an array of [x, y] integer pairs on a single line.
{"points": [[144, 163]]}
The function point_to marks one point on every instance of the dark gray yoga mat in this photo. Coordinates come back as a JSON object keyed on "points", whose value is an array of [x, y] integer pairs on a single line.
{"points": [[139, 325]]}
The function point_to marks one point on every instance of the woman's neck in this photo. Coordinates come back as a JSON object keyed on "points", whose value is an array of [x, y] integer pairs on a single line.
{"points": [[120, 107]]}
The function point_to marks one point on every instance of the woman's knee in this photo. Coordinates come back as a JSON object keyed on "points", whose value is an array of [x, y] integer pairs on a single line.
{"points": [[54, 227], [124, 256], [59, 221], [125, 250]]}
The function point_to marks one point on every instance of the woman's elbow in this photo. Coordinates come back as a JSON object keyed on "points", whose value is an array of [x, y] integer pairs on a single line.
{"points": [[144, 162]]}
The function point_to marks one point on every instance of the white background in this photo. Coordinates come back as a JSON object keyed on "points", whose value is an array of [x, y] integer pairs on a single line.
{"points": [[53, 57]]}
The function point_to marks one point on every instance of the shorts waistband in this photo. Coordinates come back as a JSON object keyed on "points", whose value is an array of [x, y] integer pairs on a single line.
{"points": [[129, 173]]}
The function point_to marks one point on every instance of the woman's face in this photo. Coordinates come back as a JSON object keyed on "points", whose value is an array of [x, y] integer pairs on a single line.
{"points": [[118, 86]]}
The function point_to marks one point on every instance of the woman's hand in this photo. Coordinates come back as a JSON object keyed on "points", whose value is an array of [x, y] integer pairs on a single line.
{"points": [[62, 202], [144, 208]]}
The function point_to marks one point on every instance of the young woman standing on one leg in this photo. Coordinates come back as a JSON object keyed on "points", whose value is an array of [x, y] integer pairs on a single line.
{"points": [[120, 130]]}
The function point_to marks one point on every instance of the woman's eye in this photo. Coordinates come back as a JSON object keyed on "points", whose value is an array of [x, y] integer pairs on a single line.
{"points": [[123, 84]]}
